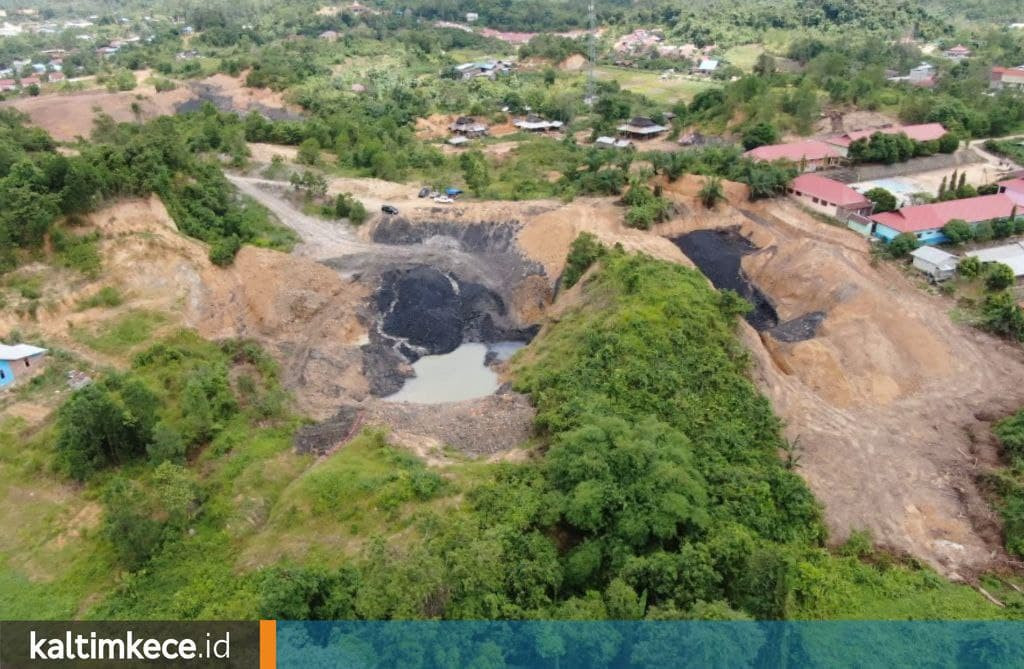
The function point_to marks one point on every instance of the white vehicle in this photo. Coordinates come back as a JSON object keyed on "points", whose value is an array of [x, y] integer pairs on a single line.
{"points": [[443, 199]]}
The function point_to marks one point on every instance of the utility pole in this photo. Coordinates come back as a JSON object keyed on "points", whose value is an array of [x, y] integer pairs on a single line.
{"points": [[591, 54]]}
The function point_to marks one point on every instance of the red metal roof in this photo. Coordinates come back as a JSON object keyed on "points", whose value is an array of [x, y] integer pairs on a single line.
{"points": [[810, 149], [934, 216], [1016, 185], [828, 190], [922, 132]]}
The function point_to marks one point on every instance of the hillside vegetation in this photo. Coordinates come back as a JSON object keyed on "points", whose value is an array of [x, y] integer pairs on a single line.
{"points": [[660, 492]]}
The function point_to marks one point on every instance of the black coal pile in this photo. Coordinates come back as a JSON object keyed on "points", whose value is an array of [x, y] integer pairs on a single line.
{"points": [[718, 253], [320, 438], [800, 328], [424, 311]]}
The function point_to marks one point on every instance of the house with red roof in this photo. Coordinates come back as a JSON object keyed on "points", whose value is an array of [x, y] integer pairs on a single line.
{"points": [[1013, 189], [8, 85], [1006, 77], [829, 197], [925, 221], [921, 132], [810, 154]]}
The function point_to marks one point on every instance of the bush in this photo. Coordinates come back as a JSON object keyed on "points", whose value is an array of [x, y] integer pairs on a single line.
{"points": [[949, 143], [105, 424], [969, 267], [902, 245], [958, 231], [224, 250], [309, 152], [1001, 314], [1002, 228], [760, 134], [999, 277], [107, 296], [983, 232], [583, 253]]}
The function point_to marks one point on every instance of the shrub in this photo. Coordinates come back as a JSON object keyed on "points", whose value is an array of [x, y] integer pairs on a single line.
{"points": [[711, 192], [309, 152], [999, 277], [902, 245], [957, 231], [583, 253], [983, 232], [224, 250], [969, 267], [949, 143]]}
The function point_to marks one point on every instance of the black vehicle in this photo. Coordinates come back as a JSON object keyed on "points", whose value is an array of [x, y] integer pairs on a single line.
{"points": [[424, 192], [388, 209]]}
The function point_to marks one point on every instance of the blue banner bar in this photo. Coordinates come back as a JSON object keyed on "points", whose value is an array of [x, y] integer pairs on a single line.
{"points": [[571, 645]]}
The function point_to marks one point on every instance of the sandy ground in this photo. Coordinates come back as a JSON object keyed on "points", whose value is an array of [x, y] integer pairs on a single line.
{"points": [[891, 402]]}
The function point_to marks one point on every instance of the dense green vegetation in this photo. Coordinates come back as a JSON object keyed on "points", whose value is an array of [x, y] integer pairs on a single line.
{"points": [[39, 186], [1008, 484]]}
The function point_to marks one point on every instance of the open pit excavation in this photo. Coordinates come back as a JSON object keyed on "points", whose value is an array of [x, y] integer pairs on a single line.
{"points": [[718, 254]]}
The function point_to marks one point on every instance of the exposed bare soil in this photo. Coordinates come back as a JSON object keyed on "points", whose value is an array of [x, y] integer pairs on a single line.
{"points": [[888, 401], [71, 115]]}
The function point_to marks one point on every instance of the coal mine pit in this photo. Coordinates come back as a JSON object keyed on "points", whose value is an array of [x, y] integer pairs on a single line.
{"points": [[461, 325], [719, 254]]}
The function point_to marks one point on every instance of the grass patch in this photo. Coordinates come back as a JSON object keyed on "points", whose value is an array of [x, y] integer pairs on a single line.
{"points": [[107, 296], [122, 335], [666, 91], [744, 56], [267, 231], [78, 252]]}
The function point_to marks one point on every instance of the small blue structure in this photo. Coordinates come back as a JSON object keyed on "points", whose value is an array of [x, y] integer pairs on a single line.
{"points": [[15, 359], [453, 192]]}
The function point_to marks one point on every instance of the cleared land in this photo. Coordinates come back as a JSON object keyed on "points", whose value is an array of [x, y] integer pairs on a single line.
{"points": [[675, 88]]}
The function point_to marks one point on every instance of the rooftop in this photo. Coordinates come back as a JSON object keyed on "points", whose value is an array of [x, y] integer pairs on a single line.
{"points": [[810, 149], [829, 190], [19, 351], [934, 216], [935, 256], [922, 132]]}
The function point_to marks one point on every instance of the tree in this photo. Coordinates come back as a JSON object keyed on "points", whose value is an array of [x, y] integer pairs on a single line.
{"points": [[902, 245], [475, 171], [969, 267], [760, 134], [949, 143], [584, 252], [711, 192], [999, 276], [958, 231], [942, 188], [309, 152], [104, 424], [883, 199], [1001, 314], [983, 232]]}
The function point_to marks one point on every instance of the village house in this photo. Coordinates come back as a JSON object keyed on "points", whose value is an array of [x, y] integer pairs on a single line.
{"points": [[534, 123], [472, 17], [936, 263], [706, 67], [469, 127], [922, 132], [641, 127], [925, 221], [30, 81], [638, 41], [959, 52], [18, 362], [829, 197], [55, 77], [811, 154], [1006, 77]]}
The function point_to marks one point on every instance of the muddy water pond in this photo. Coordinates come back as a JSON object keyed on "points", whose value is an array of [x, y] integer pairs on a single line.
{"points": [[460, 375]]}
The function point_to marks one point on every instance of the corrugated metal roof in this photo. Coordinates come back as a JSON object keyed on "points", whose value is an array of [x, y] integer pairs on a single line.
{"points": [[19, 351], [1008, 254]]}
